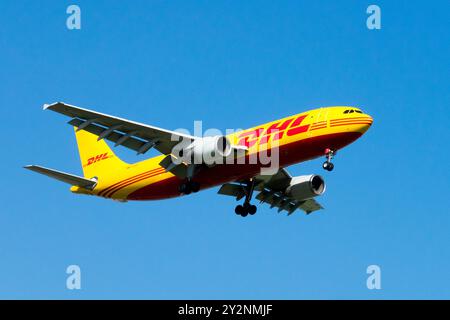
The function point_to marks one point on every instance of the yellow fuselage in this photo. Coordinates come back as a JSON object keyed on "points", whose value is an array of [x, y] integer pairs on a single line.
{"points": [[296, 138]]}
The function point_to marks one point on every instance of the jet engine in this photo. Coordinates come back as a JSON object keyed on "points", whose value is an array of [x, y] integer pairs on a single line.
{"points": [[210, 150], [306, 187]]}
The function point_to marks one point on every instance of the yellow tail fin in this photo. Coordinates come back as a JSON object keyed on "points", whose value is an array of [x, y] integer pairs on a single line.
{"points": [[97, 158]]}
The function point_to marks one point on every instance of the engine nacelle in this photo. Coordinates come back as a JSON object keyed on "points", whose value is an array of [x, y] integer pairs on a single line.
{"points": [[211, 150], [306, 187]]}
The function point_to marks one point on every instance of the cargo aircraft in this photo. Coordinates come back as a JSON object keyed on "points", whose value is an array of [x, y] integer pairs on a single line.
{"points": [[298, 138]]}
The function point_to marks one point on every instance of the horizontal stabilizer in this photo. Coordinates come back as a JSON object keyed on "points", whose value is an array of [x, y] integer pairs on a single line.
{"points": [[64, 177]]}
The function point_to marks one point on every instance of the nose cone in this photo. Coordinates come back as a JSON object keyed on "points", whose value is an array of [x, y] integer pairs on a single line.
{"points": [[365, 123], [361, 124]]}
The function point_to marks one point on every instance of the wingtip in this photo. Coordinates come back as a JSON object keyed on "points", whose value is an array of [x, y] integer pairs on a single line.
{"points": [[47, 106]]}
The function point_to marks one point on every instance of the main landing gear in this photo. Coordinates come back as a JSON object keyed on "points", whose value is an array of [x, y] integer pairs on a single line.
{"points": [[327, 165], [247, 208], [188, 187]]}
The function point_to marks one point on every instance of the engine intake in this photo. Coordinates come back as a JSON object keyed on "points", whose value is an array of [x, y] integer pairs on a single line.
{"points": [[306, 187]]}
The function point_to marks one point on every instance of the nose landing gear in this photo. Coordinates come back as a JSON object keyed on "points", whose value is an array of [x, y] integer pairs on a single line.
{"points": [[247, 208], [327, 165]]}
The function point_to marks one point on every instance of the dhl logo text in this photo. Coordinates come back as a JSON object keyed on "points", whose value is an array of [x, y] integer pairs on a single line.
{"points": [[276, 131], [97, 158]]}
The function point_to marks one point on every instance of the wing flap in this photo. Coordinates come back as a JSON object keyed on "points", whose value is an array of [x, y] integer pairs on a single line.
{"points": [[310, 205], [283, 202]]}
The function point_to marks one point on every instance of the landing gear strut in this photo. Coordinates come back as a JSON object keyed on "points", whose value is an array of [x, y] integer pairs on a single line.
{"points": [[188, 187], [327, 165], [247, 208]]}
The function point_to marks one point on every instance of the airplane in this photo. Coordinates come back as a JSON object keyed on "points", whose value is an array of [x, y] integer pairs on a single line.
{"points": [[298, 138]]}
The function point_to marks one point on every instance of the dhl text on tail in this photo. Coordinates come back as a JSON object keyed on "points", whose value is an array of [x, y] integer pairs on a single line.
{"points": [[246, 164]]}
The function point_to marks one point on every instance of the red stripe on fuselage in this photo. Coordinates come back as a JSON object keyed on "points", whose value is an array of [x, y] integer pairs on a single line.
{"points": [[350, 123], [132, 181], [102, 192], [351, 119], [324, 125]]}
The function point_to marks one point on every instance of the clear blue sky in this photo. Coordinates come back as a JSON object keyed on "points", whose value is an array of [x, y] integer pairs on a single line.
{"points": [[231, 64]]}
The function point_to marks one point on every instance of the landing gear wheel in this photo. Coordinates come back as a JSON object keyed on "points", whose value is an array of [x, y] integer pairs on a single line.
{"points": [[252, 209], [188, 187], [328, 166], [245, 210]]}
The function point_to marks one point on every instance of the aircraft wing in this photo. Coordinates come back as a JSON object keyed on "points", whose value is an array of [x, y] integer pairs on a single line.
{"points": [[270, 190], [133, 135]]}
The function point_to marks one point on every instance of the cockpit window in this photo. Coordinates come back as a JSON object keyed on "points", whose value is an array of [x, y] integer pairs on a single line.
{"points": [[352, 111]]}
